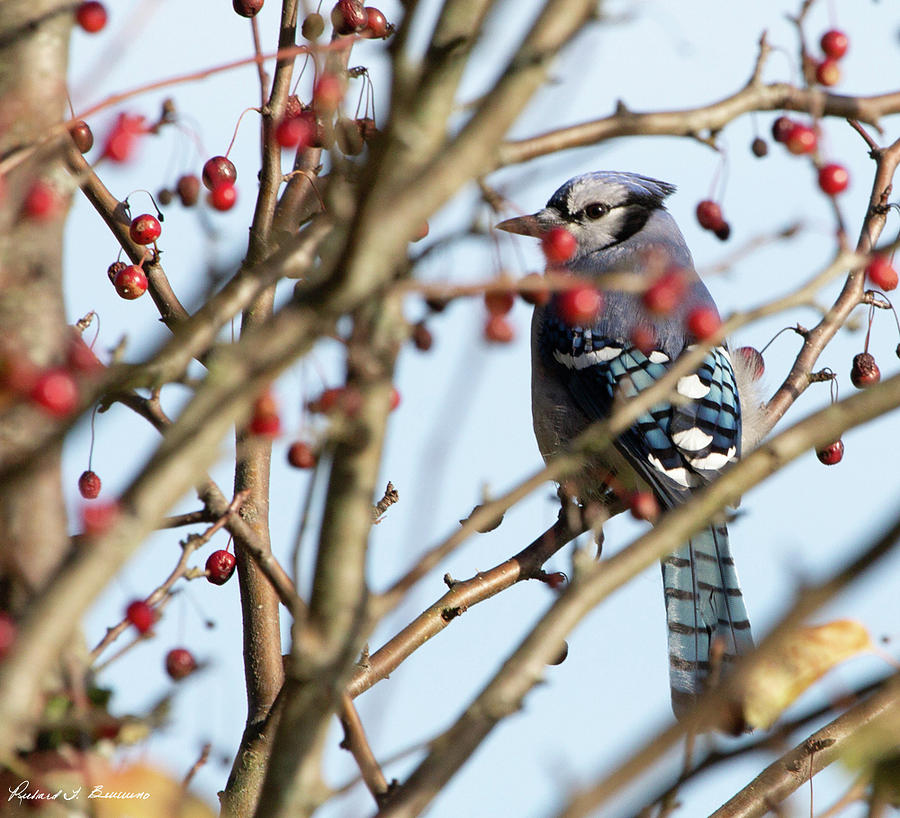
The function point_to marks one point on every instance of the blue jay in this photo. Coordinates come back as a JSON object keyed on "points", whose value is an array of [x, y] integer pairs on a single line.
{"points": [[620, 223]]}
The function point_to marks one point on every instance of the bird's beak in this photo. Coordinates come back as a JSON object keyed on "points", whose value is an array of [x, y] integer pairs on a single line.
{"points": [[523, 226]]}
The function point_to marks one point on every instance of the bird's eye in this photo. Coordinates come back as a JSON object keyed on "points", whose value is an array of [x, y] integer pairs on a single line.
{"points": [[595, 210]]}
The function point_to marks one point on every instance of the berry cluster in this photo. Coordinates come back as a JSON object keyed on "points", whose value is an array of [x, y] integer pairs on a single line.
{"points": [[834, 44], [709, 216]]}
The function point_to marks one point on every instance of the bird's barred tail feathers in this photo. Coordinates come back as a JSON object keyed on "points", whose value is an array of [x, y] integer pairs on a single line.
{"points": [[704, 606]]}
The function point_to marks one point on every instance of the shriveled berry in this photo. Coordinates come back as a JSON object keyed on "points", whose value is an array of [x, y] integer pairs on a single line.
{"points": [[865, 371], [881, 273], [498, 330], [89, 485], [709, 214], [834, 43], [828, 72], [91, 16], [222, 196], [56, 392], [556, 580], [832, 453], [759, 147], [376, 23], [141, 615], [422, 337], [180, 663], [114, 269], [131, 282], [188, 189], [833, 178], [218, 169], [42, 202], [558, 245], [579, 305], [781, 127], [313, 26], [534, 289], [247, 8], [348, 17], [703, 322], [145, 229], [801, 139], [753, 361], [82, 136], [723, 231], [643, 506], [220, 566], [164, 196], [301, 455], [348, 137], [368, 130], [666, 293]]}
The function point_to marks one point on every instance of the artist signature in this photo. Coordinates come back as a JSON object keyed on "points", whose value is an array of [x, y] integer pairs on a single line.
{"points": [[24, 792]]}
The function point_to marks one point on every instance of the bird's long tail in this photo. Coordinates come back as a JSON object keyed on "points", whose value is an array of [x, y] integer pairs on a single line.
{"points": [[704, 607]]}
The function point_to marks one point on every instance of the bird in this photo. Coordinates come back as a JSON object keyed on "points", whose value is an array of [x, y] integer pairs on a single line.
{"points": [[579, 373]]}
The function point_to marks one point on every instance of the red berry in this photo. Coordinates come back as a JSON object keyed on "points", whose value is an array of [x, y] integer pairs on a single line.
{"points": [[122, 139], [579, 305], [534, 290], [882, 273], [247, 8], [828, 72], [666, 293], [91, 16], [832, 453], [781, 127], [55, 392], [376, 23], [223, 196], [96, 518], [348, 16], [217, 170], [296, 131], [558, 245], [864, 371], [301, 455], [709, 214], [180, 662], [499, 302], [188, 189], [395, 398], [265, 421], [644, 506], [42, 202], [703, 322], [89, 485], [220, 567], [498, 330], [801, 139], [82, 136], [145, 229], [343, 399], [833, 179], [130, 282], [80, 357], [7, 633], [141, 615], [753, 361], [834, 43], [644, 338], [328, 92]]}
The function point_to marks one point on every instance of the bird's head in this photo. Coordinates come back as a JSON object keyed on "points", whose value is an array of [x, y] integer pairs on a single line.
{"points": [[600, 209]]}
